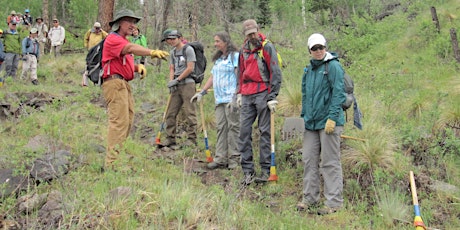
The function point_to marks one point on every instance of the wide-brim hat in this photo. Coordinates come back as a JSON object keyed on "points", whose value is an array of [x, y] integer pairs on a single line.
{"points": [[124, 13], [39, 18]]}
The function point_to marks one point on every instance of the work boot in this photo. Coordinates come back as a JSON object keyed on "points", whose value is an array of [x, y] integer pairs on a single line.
{"points": [[263, 178], [215, 165], [248, 179], [304, 205], [35, 82], [328, 210]]}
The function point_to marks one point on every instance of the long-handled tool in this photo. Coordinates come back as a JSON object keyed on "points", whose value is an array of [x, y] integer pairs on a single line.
{"points": [[273, 176], [352, 138], [418, 222], [162, 127], [207, 151]]}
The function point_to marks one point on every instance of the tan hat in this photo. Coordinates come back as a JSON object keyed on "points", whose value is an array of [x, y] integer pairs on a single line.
{"points": [[34, 30], [13, 12], [55, 19], [250, 26], [316, 39], [97, 24], [1, 31]]}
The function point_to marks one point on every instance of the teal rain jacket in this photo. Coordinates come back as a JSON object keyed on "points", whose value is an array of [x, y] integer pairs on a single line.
{"points": [[323, 95]]}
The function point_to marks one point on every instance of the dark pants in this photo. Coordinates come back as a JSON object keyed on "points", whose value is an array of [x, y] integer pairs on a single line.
{"points": [[254, 106]]}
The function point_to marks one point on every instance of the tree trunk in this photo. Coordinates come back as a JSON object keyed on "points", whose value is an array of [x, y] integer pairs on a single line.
{"points": [[453, 38], [54, 10], [45, 13], [105, 13], [434, 17]]}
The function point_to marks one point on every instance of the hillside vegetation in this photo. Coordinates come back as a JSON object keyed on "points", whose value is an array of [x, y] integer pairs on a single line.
{"points": [[408, 87]]}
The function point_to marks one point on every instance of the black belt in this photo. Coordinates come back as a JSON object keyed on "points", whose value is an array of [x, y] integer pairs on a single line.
{"points": [[110, 77]]}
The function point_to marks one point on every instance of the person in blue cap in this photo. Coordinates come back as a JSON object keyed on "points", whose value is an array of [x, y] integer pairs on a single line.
{"points": [[27, 18]]}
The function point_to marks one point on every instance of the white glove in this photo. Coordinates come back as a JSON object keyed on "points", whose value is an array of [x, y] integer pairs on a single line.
{"points": [[272, 105], [198, 96], [239, 102]]}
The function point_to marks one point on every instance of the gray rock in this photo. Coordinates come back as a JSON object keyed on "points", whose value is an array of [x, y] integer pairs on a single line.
{"points": [[51, 166], [11, 183]]}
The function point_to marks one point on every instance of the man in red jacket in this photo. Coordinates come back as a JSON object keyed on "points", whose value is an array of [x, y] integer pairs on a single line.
{"points": [[258, 86]]}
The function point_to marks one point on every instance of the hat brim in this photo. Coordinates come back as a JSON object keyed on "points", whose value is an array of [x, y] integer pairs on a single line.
{"points": [[118, 19], [170, 36], [250, 31]]}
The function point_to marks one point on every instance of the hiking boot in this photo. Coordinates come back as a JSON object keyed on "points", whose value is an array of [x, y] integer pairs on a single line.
{"points": [[328, 210], [248, 179], [262, 178], [35, 82], [232, 166], [304, 205], [215, 165]]}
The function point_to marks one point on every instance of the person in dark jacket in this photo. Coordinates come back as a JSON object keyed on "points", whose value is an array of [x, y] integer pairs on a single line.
{"points": [[322, 97], [258, 86]]}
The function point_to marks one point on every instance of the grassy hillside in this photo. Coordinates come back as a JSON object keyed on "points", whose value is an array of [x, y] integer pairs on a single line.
{"points": [[408, 87]]}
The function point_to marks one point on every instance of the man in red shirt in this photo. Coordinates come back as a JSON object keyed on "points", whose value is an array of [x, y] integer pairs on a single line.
{"points": [[119, 68]]}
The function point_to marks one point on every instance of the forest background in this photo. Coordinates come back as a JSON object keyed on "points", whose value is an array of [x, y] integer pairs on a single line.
{"points": [[407, 84]]}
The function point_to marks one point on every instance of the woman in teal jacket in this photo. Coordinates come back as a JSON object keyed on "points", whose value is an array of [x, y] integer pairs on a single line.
{"points": [[322, 97], [139, 39]]}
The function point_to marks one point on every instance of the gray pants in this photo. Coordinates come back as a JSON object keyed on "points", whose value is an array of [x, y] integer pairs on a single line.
{"points": [[11, 64], [254, 106], [228, 131], [321, 154]]}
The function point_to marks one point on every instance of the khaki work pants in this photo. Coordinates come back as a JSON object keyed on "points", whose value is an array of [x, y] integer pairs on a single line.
{"points": [[120, 111], [29, 64], [321, 156], [181, 98]]}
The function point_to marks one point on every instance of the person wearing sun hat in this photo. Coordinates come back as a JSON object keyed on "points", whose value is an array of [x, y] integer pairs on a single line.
{"points": [[42, 33], [13, 17], [118, 70], [322, 98], [30, 56]]}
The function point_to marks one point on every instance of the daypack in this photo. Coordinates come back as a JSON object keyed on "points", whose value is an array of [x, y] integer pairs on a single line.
{"points": [[94, 63], [348, 85], [280, 60], [201, 61]]}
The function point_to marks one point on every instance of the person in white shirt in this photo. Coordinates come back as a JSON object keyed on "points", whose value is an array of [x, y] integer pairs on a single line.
{"points": [[57, 36]]}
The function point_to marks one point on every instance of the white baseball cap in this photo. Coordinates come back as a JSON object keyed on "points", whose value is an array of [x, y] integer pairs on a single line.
{"points": [[316, 39], [97, 24]]}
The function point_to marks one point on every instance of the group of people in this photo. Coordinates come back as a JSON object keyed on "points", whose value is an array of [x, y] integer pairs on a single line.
{"points": [[25, 41], [246, 84]]}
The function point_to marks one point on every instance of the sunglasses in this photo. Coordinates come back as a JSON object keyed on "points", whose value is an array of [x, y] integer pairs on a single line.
{"points": [[55, 22], [315, 48]]}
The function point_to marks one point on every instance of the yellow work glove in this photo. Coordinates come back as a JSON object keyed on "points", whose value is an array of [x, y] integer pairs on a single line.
{"points": [[159, 54], [330, 125], [142, 70]]}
